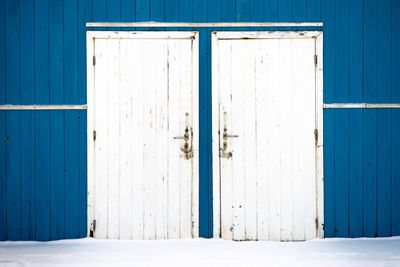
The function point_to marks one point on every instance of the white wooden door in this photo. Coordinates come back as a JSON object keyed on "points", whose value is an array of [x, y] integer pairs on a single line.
{"points": [[143, 135], [267, 109]]}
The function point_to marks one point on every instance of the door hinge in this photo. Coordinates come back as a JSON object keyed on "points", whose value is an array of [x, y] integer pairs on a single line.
{"points": [[94, 135], [315, 60], [94, 60], [316, 223], [316, 136]]}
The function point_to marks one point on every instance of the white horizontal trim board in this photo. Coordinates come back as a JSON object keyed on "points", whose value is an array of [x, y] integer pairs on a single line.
{"points": [[162, 35], [362, 105], [42, 107], [267, 35], [205, 24]]}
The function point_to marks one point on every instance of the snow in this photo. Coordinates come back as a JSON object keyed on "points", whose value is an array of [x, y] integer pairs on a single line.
{"points": [[202, 252]]}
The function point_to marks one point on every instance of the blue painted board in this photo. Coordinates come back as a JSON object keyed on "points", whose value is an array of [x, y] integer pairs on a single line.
{"points": [[127, 10], [99, 10], [341, 178], [142, 10], [271, 11], [299, 12], [313, 10], [341, 119], [71, 119], [204, 184], [57, 203], [27, 77], [285, 10], [384, 119], [214, 14], [85, 10], [328, 17], [395, 81], [157, 11], [395, 187], [355, 118], [370, 119], [113, 11], [13, 136], [256, 11], [3, 129], [42, 130]]}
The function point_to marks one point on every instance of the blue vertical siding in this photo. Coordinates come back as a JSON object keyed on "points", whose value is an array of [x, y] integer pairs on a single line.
{"points": [[384, 140], [370, 118], [328, 17], [355, 84], [3, 160], [13, 167], [28, 178], [43, 153], [395, 133]]}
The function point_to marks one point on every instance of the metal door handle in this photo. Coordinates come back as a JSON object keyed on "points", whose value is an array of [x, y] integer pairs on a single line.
{"points": [[223, 153], [226, 136], [187, 148], [180, 137]]}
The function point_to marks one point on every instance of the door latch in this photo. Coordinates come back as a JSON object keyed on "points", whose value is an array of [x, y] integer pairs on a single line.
{"points": [[223, 153], [187, 148]]}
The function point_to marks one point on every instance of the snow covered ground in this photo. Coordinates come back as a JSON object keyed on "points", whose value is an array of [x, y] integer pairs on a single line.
{"points": [[203, 252]]}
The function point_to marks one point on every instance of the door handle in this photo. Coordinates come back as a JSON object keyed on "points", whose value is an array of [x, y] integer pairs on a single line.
{"points": [[187, 148], [226, 135], [223, 153]]}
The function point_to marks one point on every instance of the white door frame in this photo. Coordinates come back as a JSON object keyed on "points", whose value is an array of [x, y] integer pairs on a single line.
{"points": [[318, 37], [90, 52]]}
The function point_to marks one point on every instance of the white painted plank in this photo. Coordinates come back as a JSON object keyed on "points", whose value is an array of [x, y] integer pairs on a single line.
{"points": [[125, 137], [101, 148], [262, 138], [225, 115], [249, 140], [216, 99], [319, 123], [149, 161], [195, 112], [286, 137], [274, 132], [185, 55], [137, 58], [113, 138], [161, 99], [298, 146], [90, 128], [175, 129], [309, 141], [237, 144]]}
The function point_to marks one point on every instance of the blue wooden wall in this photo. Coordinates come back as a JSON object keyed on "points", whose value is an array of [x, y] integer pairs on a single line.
{"points": [[43, 153]]}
